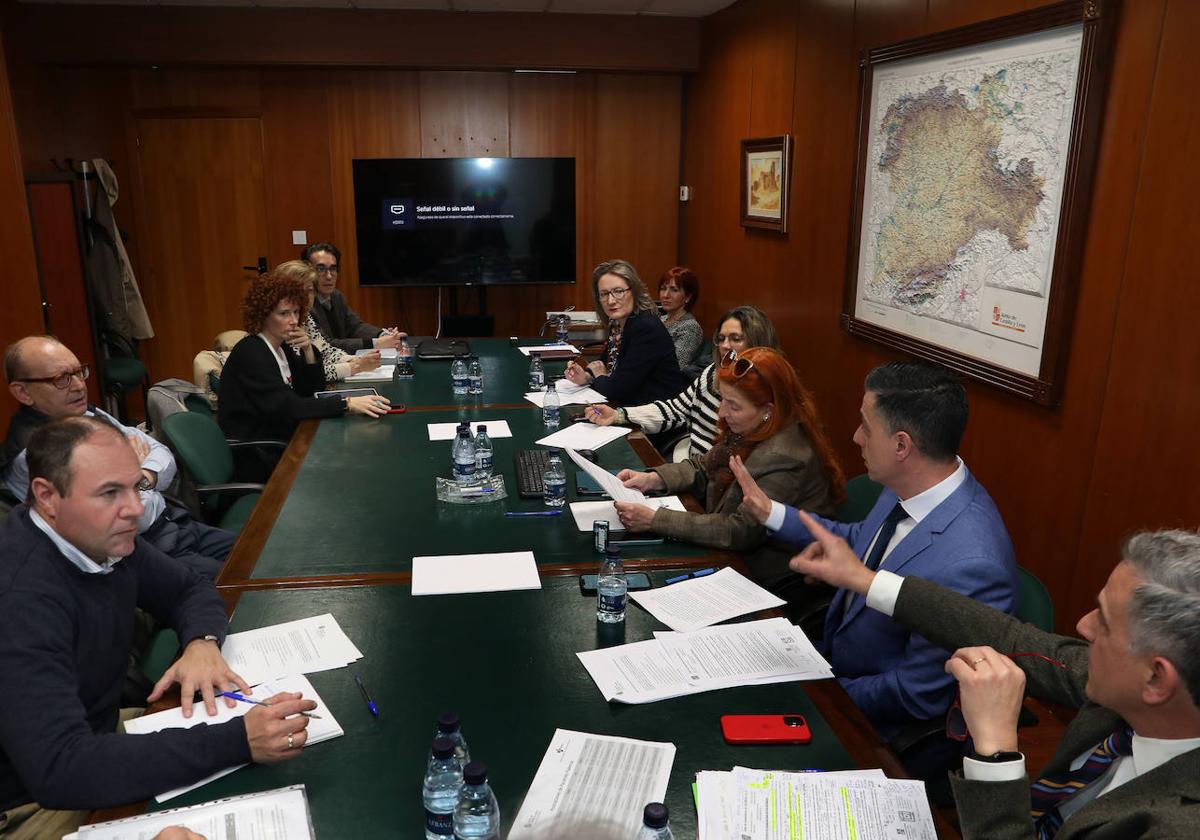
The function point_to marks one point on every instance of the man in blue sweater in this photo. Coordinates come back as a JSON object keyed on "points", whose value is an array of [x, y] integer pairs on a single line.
{"points": [[71, 572]]}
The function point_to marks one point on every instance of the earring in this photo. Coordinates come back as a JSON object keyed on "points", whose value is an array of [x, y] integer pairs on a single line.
{"points": [[766, 417]]}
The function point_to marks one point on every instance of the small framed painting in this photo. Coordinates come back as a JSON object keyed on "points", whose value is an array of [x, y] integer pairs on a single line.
{"points": [[765, 164]]}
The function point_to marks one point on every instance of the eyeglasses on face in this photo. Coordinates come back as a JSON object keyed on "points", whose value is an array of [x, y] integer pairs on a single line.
{"points": [[327, 269], [61, 381], [614, 294], [740, 366]]}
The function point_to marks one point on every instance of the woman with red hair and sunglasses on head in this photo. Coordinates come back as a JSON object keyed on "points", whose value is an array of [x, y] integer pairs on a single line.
{"points": [[768, 419]]}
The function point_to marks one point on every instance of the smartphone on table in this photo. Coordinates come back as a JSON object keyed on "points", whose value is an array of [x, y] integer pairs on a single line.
{"points": [[765, 729]]}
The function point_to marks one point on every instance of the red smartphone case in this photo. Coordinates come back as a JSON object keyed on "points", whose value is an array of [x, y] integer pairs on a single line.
{"points": [[765, 729]]}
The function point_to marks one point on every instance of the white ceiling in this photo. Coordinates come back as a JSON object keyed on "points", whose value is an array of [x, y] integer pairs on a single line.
{"points": [[677, 8]]}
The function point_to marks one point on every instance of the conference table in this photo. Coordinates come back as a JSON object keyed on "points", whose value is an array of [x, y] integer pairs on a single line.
{"points": [[349, 506]]}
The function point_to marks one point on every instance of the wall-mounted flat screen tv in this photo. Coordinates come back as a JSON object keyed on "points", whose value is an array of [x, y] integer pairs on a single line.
{"points": [[465, 221]]}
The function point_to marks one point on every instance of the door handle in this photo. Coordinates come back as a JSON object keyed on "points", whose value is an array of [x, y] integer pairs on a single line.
{"points": [[261, 268]]}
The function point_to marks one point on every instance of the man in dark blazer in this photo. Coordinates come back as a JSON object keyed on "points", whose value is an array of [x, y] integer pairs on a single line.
{"points": [[340, 324], [933, 519], [1136, 673]]}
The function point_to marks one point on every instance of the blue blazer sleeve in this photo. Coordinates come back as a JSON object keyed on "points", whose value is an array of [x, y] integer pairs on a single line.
{"points": [[794, 533]]}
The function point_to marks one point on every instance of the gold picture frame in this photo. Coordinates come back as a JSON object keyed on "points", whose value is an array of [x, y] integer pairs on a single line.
{"points": [[766, 165]]}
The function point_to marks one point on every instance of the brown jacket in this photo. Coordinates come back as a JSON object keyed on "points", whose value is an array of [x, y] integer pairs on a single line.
{"points": [[787, 470]]}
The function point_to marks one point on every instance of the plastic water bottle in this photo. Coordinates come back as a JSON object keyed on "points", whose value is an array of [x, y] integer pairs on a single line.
{"points": [[655, 823], [550, 407], [537, 374], [459, 378], [443, 781], [448, 727], [611, 588], [404, 360], [476, 816], [464, 456], [483, 454], [475, 376], [555, 481], [562, 329]]}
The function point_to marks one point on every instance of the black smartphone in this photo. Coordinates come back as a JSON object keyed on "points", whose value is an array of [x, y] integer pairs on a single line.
{"points": [[637, 581]]}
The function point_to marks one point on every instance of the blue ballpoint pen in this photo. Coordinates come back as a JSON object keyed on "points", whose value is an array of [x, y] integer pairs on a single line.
{"points": [[696, 574], [233, 695], [363, 690], [533, 513]]}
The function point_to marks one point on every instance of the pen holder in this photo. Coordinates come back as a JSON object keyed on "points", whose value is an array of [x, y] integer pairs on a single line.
{"points": [[481, 493]]}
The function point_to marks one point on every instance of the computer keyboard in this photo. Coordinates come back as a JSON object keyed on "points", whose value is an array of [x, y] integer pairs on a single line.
{"points": [[530, 464]]}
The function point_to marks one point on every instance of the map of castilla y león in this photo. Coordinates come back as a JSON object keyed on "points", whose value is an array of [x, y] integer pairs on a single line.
{"points": [[963, 185]]}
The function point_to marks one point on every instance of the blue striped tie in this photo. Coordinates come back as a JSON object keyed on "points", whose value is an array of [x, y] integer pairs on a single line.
{"points": [[1048, 792]]}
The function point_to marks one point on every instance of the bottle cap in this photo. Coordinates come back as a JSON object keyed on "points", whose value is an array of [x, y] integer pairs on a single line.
{"points": [[448, 722], [481, 428], [613, 551], [443, 748], [655, 815], [475, 773]]}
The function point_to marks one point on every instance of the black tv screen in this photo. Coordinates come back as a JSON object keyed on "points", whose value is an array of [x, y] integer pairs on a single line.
{"points": [[465, 221]]}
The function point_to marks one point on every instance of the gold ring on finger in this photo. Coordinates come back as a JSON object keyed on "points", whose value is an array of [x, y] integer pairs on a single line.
{"points": [[977, 661], [291, 741]]}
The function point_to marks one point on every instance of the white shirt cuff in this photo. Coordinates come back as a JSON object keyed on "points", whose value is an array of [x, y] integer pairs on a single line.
{"points": [[991, 771], [884, 591], [775, 519]]}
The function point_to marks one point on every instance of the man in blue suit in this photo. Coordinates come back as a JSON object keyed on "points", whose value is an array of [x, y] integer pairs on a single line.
{"points": [[933, 520]]}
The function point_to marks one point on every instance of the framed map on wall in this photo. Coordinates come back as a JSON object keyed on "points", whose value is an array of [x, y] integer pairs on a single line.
{"points": [[975, 153]]}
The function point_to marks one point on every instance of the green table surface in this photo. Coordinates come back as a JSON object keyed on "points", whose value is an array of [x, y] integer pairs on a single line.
{"points": [[364, 501], [505, 377], [505, 662]]}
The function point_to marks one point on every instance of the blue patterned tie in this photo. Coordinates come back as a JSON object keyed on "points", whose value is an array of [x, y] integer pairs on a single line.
{"points": [[1048, 792], [886, 532]]}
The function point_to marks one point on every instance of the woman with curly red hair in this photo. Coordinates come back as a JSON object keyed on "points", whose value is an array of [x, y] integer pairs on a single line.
{"points": [[267, 385], [768, 419]]}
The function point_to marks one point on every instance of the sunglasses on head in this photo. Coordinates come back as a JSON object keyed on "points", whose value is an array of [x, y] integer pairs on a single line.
{"points": [[740, 366]]}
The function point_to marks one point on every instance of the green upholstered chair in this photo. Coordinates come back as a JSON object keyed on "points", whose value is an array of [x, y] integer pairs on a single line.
{"points": [[122, 372], [1034, 605], [861, 495], [208, 459]]}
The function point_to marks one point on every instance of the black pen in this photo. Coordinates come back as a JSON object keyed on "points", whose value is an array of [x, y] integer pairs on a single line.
{"points": [[363, 690]]}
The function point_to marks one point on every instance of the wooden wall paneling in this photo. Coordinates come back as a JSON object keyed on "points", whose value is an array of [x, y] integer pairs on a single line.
{"points": [[296, 123], [949, 14], [1146, 457], [635, 206], [373, 114], [22, 311], [187, 90], [464, 114], [171, 35], [204, 219]]}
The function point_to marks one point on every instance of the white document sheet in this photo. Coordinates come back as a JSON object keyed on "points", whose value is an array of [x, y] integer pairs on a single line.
{"points": [[386, 354], [675, 664], [304, 646], [586, 513], [280, 814], [448, 431], [569, 394], [584, 436], [548, 348], [383, 373], [456, 573], [700, 602], [320, 728], [593, 786], [610, 484], [770, 804]]}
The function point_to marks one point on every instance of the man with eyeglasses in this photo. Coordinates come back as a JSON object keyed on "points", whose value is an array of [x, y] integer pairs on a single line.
{"points": [[49, 382], [933, 519], [340, 324]]}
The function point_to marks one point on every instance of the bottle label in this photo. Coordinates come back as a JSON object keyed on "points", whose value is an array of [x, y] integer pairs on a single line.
{"points": [[535, 381], [461, 382], [612, 603], [483, 461], [464, 469], [439, 824], [555, 489]]}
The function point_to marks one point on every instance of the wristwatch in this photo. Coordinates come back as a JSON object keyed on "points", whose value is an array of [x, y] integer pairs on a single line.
{"points": [[144, 484], [997, 757], [209, 638]]}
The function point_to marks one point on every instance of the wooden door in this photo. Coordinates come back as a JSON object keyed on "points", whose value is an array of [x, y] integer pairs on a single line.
{"points": [[204, 218]]}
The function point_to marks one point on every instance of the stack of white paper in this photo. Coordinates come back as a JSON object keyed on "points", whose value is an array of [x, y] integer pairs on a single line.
{"points": [[584, 436], [280, 814], [449, 431], [674, 664], [770, 804], [700, 602], [320, 728], [383, 373], [304, 646], [569, 394], [385, 353], [459, 573], [556, 347], [592, 786], [586, 513]]}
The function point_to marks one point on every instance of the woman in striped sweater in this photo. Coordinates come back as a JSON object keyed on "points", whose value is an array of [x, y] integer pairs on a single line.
{"points": [[695, 407]]}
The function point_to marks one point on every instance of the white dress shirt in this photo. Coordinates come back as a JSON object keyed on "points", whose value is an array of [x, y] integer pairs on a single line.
{"points": [[77, 557], [280, 359]]}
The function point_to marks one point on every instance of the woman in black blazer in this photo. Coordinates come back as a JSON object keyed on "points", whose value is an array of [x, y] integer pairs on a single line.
{"points": [[639, 363], [268, 382]]}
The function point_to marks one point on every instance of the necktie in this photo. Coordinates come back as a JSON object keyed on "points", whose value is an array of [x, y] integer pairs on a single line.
{"points": [[886, 532], [1048, 792]]}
